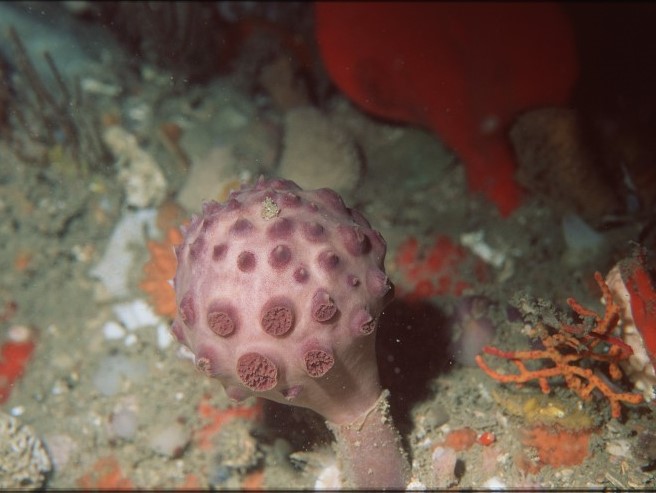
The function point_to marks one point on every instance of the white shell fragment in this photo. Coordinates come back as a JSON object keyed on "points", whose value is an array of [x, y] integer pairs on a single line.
{"points": [[113, 330], [135, 314], [113, 270], [476, 243]]}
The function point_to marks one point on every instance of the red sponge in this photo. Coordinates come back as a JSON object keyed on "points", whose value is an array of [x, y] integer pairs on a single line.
{"points": [[464, 70]]}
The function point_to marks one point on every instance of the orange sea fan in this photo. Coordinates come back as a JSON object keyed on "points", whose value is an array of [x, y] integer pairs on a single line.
{"points": [[159, 270]]}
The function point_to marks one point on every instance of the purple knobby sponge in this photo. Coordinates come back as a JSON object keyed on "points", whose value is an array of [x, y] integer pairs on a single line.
{"points": [[279, 291]]}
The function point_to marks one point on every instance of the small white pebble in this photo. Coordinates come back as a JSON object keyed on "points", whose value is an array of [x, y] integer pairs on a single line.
{"points": [[113, 330], [494, 483], [93, 86], [619, 448], [60, 448], [475, 242], [415, 485], [169, 440], [485, 393], [19, 333], [139, 112], [426, 443], [17, 410], [329, 478], [123, 424], [179, 396], [131, 340], [135, 314], [164, 337], [58, 388], [114, 370]]}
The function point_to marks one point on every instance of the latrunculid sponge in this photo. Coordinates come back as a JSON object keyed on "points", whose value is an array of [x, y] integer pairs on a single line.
{"points": [[279, 291]]}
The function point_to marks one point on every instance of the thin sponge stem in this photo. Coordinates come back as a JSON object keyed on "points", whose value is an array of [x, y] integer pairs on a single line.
{"points": [[369, 450]]}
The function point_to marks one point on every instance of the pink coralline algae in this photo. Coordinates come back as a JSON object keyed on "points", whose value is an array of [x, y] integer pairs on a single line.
{"points": [[279, 291]]}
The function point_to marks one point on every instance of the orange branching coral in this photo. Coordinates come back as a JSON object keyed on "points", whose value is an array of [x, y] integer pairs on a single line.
{"points": [[570, 346], [159, 270]]}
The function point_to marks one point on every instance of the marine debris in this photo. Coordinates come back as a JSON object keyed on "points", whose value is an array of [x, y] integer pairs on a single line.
{"points": [[571, 348]]}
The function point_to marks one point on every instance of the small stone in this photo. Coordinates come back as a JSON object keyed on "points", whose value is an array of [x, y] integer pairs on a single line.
{"points": [[20, 333], [123, 424], [113, 370], [60, 449], [318, 152], [113, 330], [329, 478], [135, 314], [495, 484], [170, 440], [164, 337], [131, 340], [619, 448], [17, 411]]}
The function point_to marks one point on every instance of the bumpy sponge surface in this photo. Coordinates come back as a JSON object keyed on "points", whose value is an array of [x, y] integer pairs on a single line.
{"points": [[279, 291]]}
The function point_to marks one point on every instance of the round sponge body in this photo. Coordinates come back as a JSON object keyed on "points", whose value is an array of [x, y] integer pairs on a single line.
{"points": [[278, 292]]}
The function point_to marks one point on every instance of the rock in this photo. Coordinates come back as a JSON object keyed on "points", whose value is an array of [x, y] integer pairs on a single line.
{"points": [[555, 162], [135, 314], [60, 449], [113, 369], [207, 177], [123, 424], [280, 79], [318, 153], [170, 440]]}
